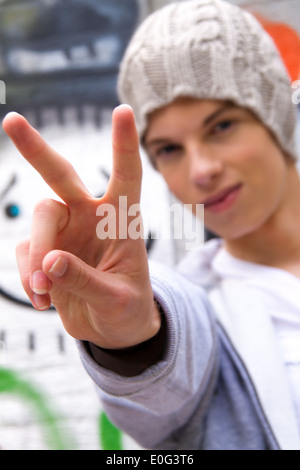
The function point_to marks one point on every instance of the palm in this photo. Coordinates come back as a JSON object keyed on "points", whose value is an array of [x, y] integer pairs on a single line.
{"points": [[118, 264]]}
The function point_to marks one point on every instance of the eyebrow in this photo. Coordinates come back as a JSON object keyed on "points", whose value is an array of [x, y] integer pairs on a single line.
{"points": [[211, 117], [216, 113]]}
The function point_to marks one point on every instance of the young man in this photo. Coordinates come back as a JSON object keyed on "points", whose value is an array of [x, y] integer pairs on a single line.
{"points": [[212, 363]]}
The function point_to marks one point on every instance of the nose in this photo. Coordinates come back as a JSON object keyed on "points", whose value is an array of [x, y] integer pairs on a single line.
{"points": [[204, 165]]}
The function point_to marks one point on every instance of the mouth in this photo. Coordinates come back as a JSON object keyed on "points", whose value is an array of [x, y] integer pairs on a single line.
{"points": [[223, 200]]}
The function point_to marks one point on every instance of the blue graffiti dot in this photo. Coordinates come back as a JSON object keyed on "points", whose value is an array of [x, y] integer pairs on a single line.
{"points": [[12, 211]]}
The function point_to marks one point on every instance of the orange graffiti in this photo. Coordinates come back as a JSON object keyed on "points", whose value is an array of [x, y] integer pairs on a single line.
{"points": [[287, 41]]}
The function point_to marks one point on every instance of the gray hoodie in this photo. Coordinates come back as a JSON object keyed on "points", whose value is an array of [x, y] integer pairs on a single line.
{"points": [[221, 383]]}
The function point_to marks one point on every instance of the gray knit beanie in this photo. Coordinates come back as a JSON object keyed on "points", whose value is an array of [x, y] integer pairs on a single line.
{"points": [[208, 49]]}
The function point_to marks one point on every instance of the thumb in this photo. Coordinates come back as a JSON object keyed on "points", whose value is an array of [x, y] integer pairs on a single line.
{"points": [[73, 275]]}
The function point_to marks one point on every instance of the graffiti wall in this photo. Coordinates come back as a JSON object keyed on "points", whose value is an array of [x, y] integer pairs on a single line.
{"points": [[63, 52]]}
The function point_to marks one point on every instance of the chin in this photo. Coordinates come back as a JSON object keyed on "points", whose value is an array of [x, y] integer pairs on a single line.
{"points": [[231, 233]]}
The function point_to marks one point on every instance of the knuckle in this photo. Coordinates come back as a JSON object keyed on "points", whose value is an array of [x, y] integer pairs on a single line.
{"points": [[56, 177], [44, 205], [50, 211], [124, 177], [124, 298], [22, 248], [80, 279]]}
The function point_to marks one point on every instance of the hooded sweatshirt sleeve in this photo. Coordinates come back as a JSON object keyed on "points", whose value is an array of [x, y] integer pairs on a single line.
{"points": [[153, 406]]}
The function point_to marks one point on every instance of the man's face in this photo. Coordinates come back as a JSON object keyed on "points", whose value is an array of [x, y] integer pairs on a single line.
{"points": [[217, 154]]}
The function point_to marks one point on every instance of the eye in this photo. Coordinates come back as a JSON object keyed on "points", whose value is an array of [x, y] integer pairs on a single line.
{"points": [[167, 151], [223, 126], [12, 211]]}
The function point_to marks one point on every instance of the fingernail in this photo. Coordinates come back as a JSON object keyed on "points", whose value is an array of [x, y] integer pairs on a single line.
{"points": [[39, 283], [40, 302], [59, 267]]}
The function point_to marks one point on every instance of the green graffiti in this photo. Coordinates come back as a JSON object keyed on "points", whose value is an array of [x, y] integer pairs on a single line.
{"points": [[12, 383], [110, 436]]}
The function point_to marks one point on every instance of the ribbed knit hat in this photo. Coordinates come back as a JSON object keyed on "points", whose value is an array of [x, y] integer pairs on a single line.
{"points": [[209, 49]]}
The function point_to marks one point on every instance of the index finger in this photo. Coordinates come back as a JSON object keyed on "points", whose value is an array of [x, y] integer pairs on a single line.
{"points": [[58, 173]]}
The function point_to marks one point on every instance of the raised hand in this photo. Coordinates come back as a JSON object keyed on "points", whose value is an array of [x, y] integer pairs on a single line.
{"points": [[100, 288]]}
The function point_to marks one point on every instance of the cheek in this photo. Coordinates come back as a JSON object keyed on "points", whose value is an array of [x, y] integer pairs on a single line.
{"points": [[246, 155], [260, 163], [268, 175]]}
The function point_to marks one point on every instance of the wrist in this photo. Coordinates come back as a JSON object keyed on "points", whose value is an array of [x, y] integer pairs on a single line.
{"points": [[132, 361], [138, 329]]}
